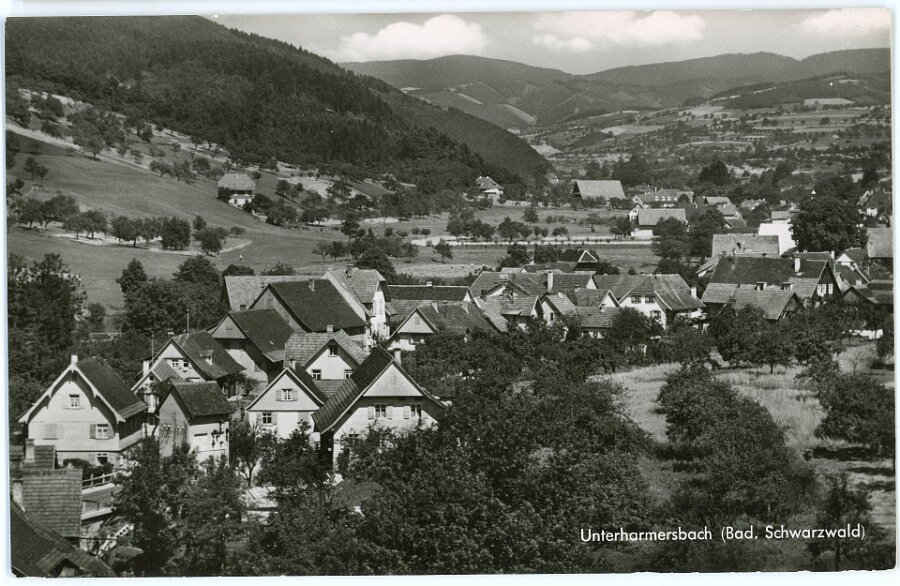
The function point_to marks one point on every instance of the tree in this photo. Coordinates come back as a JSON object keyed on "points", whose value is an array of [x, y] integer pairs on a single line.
{"points": [[715, 173], [444, 249], [630, 329], [87, 136], [237, 270], [350, 227], [175, 233], [31, 165], [530, 216], [41, 172], [76, 223], [634, 171], [701, 230], [859, 410], [375, 258], [826, 223], [292, 465], [211, 239], [279, 269], [516, 256], [124, 229], [199, 223], [670, 239], [739, 333], [132, 277], [96, 316], [247, 448], [322, 248]]}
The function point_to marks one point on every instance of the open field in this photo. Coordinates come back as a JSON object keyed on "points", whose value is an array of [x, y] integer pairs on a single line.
{"points": [[794, 408]]}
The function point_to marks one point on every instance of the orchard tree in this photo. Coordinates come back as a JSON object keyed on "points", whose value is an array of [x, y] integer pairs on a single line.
{"points": [[715, 173], [827, 223], [859, 410], [444, 249]]}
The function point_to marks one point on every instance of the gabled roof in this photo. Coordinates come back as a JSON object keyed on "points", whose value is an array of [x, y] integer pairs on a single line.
{"points": [[242, 290], [237, 182], [111, 387], [671, 291], [577, 255], [772, 302], [485, 182], [653, 216], [54, 497], [597, 318], [196, 345], [328, 388], [744, 244], [716, 200], [880, 243], [589, 297], [354, 387], [201, 399], [316, 304], [560, 303], [265, 329], [369, 188], [362, 283], [566, 282], [599, 188], [301, 378], [304, 346], [427, 292], [524, 282], [749, 270], [857, 255], [499, 308], [875, 292], [38, 551]]}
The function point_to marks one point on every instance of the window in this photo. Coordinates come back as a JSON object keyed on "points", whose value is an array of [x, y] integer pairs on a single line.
{"points": [[101, 431], [317, 374], [380, 411], [413, 411], [267, 418], [656, 315], [332, 350], [101, 458], [635, 298], [74, 401], [286, 395], [348, 373], [648, 299]]}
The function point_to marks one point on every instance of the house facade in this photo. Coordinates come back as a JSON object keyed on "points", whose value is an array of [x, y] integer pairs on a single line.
{"points": [[368, 287], [198, 357], [286, 404], [236, 188], [196, 415], [88, 413], [255, 340]]}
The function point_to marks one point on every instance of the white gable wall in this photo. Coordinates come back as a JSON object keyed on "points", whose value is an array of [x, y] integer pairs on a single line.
{"points": [[286, 415]]}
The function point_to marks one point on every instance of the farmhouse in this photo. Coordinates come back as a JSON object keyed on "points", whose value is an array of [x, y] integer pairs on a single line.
{"points": [[489, 188], [195, 415], [286, 404], [596, 321], [314, 305], [236, 188], [774, 303], [812, 280], [428, 319], [648, 219], [379, 394], [738, 244], [492, 283], [254, 339], [509, 308], [198, 357], [659, 297], [368, 288], [597, 189], [88, 413]]}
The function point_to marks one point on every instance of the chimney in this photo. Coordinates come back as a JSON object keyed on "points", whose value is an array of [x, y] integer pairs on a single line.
{"points": [[145, 367], [398, 356], [73, 359], [549, 281], [329, 329], [312, 284], [29, 451], [693, 290], [796, 264]]}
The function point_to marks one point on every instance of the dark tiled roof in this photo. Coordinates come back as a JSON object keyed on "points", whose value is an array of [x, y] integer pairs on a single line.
{"points": [[54, 497], [857, 255], [456, 318], [316, 304], [196, 344], [772, 302], [242, 290], [744, 244], [329, 387], [880, 243], [265, 329], [362, 283], [568, 281], [38, 551], [597, 317], [427, 293], [526, 283], [237, 182], [352, 388], [749, 270], [671, 290], [111, 387], [201, 399], [575, 255], [44, 457], [163, 372], [653, 216], [304, 346], [369, 188], [599, 188]]}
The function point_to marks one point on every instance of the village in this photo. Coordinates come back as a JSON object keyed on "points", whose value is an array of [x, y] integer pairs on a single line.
{"points": [[222, 363]]}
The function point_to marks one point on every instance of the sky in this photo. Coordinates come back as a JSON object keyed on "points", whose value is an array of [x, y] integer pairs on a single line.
{"points": [[576, 42]]}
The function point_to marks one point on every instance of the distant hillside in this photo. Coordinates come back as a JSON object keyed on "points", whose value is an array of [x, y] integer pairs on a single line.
{"points": [[259, 98], [514, 95]]}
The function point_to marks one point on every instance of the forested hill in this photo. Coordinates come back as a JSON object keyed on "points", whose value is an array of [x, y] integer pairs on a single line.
{"points": [[259, 98]]}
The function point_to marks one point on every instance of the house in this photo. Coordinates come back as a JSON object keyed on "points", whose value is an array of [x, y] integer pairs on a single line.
{"points": [[782, 216], [774, 303], [380, 394], [716, 201], [877, 202], [812, 280], [639, 202], [286, 403], [596, 321], [198, 357], [880, 248], [236, 188], [738, 244], [144, 388], [659, 297], [314, 305], [428, 319], [749, 205], [51, 495], [509, 308], [597, 189], [662, 198], [566, 282], [584, 260], [553, 306], [326, 356], [492, 283], [88, 413], [368, 189], [730, 212], [195, 415], [368, 288], [489, 188], [593, 298], [649, 218], [428, 292], [255, 339], [240, 291], [40, 552]]}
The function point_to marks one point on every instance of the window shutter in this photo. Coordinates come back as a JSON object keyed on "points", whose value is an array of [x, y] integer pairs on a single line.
{"points": [[371, 412], [390, 412], [93, 431], [406, 413]]}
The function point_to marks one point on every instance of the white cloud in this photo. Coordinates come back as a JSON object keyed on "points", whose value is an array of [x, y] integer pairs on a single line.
{"points": [[441, 35], [848, 21], [617, 28], [554, 43]]}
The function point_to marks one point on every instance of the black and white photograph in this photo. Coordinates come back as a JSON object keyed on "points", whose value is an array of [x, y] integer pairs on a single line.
{"points": [[449, 292]]}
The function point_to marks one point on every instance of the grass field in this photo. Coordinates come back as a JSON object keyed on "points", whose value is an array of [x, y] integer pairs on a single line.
{"points": [[793, 407]]}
